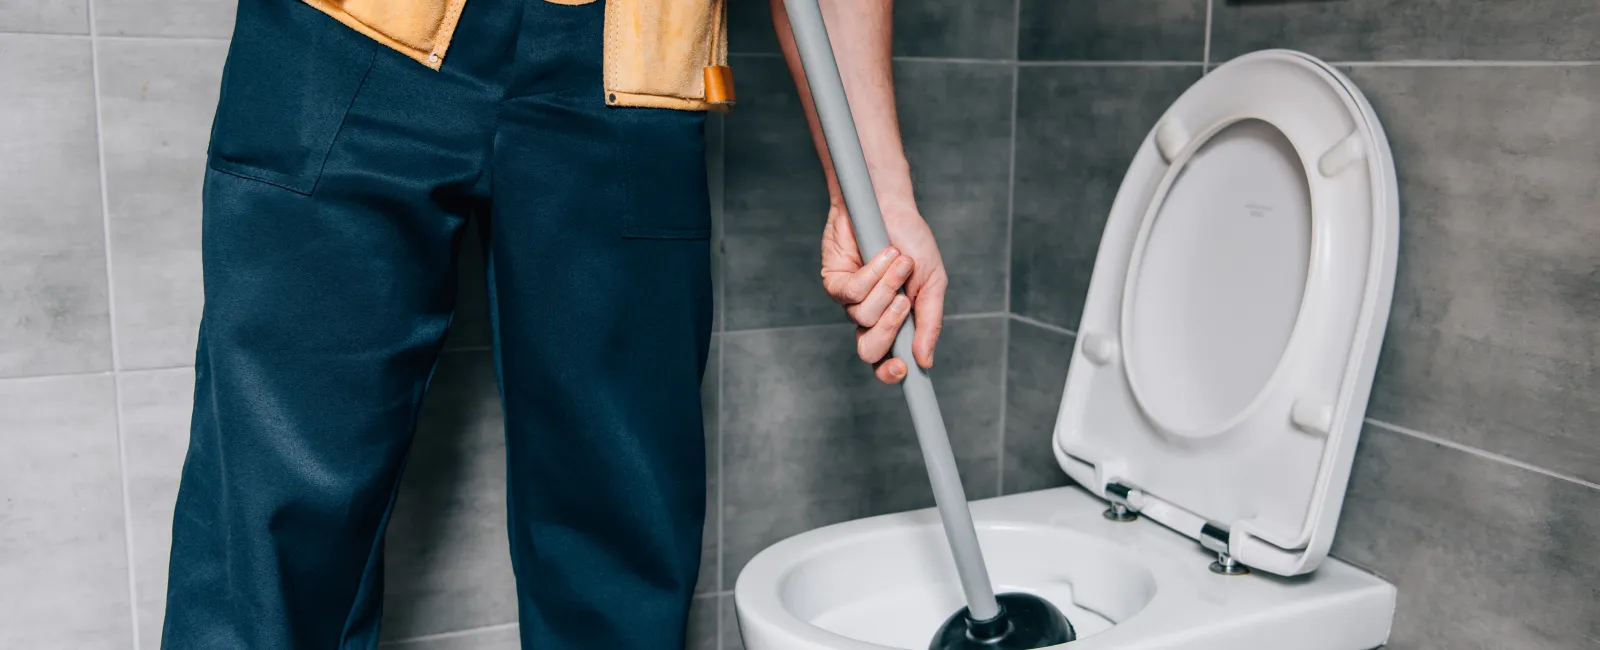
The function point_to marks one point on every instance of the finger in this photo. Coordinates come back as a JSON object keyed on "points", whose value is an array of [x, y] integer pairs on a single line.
{"points": [[930, 320], [890, 370], [849, 288], [873, 343], [867, 312]]}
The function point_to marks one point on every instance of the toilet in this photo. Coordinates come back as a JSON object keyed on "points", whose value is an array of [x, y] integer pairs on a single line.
{"points": [[1212, 406]]}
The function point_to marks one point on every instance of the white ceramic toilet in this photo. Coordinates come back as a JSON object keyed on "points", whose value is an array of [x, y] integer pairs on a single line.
{"points": [[1211, 410]]}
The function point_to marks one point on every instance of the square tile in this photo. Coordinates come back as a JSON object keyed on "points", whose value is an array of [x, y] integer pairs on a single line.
{"points": [[1485, 554], [1077, 130], [45, 16], [1036, 374], [1388, 30], [964, 29], [503, 637], [955, 120], [1492, 339], [1127, 30], [702, 632], [447, 559], [156, 407], [157, 98], [810, 437], [213, 18], [731, 638], [52, 238], [64, 578]]}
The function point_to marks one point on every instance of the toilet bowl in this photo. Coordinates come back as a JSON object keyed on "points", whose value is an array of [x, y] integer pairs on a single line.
{"points": [[1213, 402]]}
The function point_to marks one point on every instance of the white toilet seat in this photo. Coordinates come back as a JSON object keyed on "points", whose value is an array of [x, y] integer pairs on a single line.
{"points": [[1217, 386]]}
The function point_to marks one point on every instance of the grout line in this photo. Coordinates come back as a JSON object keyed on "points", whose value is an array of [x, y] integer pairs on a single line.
{"points": [[1043, 325], [60, 375], [1011, 218], [722, 352], [1488, 455], [454, 634], [1205, 54], [1109, 64], [111, 325], [722, 480], [21, 32], [1005, 389], [151, 37], [952, 59], [812, 326], [977, 316], [1463, 63]]}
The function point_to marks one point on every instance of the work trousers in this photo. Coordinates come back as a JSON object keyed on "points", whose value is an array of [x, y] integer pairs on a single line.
{"points": [[340, 179]]}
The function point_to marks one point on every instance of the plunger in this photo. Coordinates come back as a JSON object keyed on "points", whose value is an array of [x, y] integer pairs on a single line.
{"points": [[1010, 621]]}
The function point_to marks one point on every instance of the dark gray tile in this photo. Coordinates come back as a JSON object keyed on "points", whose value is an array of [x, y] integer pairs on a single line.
{"points": [[1367, 30], [1127, 30], [156, 405], [710, 544], [448, 564], [156, 101], [702, 632], [495, 638], [731, 639], [45, 16], [213, 18], [64, 576], [1492, 338], [977, 29], [52, 238], [1077, 130], [955, 119], [1036, 373], [967, 29], [1486, 555], [470, 327], [811, 438]]}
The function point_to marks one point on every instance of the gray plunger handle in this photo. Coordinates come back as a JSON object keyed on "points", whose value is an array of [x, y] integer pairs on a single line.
{"points": [[850, 165]]}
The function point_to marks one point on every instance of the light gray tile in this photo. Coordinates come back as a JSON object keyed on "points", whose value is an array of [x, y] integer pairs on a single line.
{"points": [[955, 121], [212, 18], [1492, 339], [1364, 30], [45, 16], [448, 564], [496, 638], [157, 98], [52, 242], [1036, 373], [810, 438], [156, 407], [968, 29], [1077, 130], [1128, 30], [710, 542], [64, 578], [470, 327], [731, 639], [1485, 555], [702, 633]]}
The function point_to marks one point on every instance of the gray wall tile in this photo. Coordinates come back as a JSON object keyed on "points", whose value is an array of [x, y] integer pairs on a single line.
{"points": [[749, 30], [974, 29], [496, 638], [1036, 373], [64, 578], [1077, 130], [157, 98], [956, 124], [811, 438], [212, 18], [702, 632], [731, 639], [45, 16], [1492, 339], [448, 564], [1486, 555], [1365, 30], [710, 407], [1128, 30], [52, 242], [156, 407]]}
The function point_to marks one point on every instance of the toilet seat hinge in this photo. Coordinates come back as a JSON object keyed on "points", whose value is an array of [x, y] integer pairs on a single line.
{"points": [[1214, 538], [1121, 508]]}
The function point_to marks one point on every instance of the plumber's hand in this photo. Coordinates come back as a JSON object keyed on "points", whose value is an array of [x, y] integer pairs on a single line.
{"points": [[868, 292]]}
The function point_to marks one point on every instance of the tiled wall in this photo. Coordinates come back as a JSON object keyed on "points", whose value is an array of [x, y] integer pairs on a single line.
{"points": [[1476, 489]]}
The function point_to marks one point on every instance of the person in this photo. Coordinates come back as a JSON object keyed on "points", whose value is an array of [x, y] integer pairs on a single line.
{"points": [[353, 142]]}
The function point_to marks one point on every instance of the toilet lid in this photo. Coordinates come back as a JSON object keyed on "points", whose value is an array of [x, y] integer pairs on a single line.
{"points": [[1235, 312]]}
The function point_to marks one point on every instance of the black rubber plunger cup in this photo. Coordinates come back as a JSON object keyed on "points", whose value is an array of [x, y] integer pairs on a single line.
{"points": [[1012, 621]]}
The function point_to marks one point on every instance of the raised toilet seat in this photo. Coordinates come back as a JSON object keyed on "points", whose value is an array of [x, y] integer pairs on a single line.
{"points": [[1216, 392]]}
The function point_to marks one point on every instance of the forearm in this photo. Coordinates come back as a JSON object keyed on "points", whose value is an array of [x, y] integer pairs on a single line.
{"points": [[861, 33]]}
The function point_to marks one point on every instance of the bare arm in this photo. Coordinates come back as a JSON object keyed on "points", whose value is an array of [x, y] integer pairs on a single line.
{"points": [[861, 32]]}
